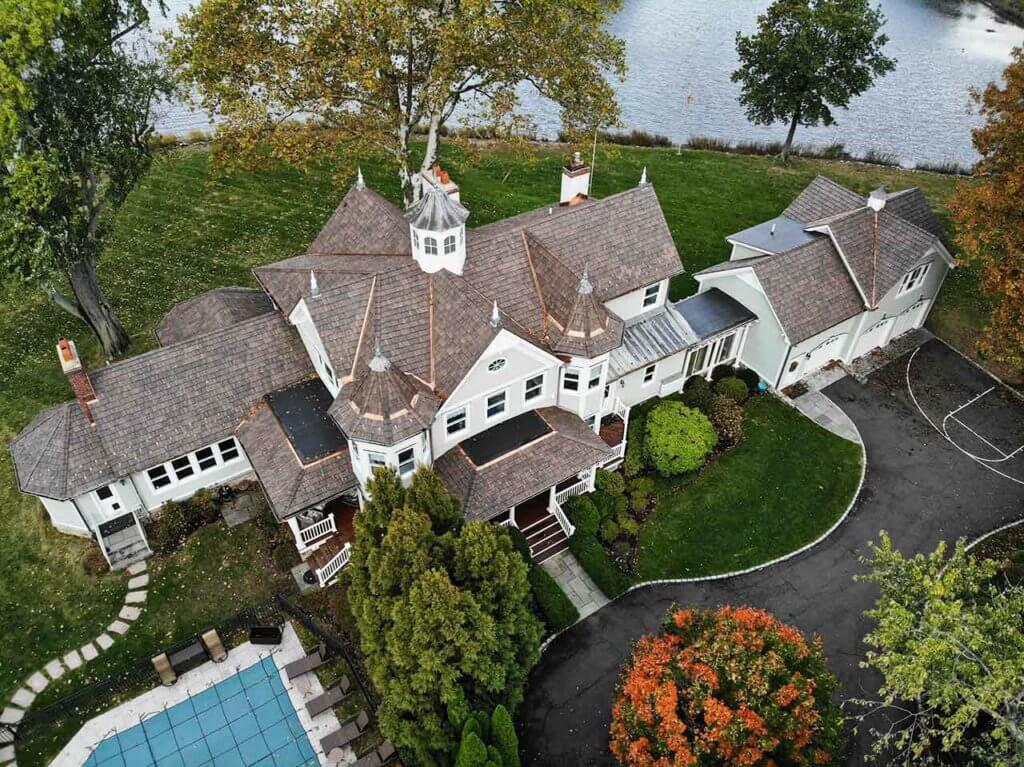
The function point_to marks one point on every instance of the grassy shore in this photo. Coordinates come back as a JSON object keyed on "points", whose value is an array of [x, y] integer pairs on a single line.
{"points": [[185, 230]]}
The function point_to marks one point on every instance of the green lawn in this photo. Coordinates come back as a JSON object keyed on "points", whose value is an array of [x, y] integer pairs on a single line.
{"points": [[185, 230], [780, 489]]}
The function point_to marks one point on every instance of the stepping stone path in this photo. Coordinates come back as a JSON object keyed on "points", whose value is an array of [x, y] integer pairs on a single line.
{"points": [[23, 698]]}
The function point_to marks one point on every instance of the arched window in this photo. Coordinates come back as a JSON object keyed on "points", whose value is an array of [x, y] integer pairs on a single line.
{"points": [[430, 246], [449, 244]]}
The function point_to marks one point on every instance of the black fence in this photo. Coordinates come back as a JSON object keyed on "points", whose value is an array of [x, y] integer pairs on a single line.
{"points": [[135, 678]]}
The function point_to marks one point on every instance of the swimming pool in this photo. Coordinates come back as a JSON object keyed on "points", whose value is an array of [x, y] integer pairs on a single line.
{"points": [[247, 720]]}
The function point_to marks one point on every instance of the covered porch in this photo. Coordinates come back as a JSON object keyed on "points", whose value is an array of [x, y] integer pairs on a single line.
{"points": [[324, 538]]}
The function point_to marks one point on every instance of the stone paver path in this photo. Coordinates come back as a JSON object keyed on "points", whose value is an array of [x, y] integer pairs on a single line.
{"points": [[827, 414], [23, 698], [576, 584]]}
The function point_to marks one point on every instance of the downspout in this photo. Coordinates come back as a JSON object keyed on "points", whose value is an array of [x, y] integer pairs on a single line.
{"points": [[782, 371]]}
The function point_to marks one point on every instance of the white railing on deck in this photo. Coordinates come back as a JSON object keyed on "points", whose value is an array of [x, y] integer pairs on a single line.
{"points": [[618, 452], [326, 574], [563, 520], [581, 487], [306, 536], [508, 523], [620, 409]]}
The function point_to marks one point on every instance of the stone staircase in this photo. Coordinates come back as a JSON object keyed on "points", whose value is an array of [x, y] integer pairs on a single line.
{"points": [[124, 542], [545, 537]]}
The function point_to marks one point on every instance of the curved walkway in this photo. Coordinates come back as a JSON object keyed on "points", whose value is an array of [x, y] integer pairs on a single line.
{"points": [[917, 486], [22, 700]]}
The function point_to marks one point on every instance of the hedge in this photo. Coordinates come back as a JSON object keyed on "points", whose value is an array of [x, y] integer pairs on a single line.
{"points": [[559, 612], [598, 565]]}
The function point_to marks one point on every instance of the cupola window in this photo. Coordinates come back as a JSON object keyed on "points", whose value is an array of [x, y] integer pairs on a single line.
{"points": [[430, 246], [449, 244]]}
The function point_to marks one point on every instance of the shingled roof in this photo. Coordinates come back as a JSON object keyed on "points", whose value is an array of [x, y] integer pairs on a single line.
{"points": [[365, 223], [816, 285], [486, 491], [213, 310]]}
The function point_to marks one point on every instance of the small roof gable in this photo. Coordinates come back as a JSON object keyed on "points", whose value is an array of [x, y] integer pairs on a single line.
{"points": [[436, 211], [213, 310], [911, 205], [287, 281], [365, 223], [822, 198], [383, 405]]}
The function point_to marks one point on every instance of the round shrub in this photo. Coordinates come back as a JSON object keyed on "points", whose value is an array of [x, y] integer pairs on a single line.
{"points": [[609, 530], [697, 394], [722, 371], [683, 697], [609, 506], [750, 378], [610, 482], [678, 438], [583, 514], [204, 507], [519, 542], [733, 388], [727, 417], [628, 526], [640, 491], [168, 527]]}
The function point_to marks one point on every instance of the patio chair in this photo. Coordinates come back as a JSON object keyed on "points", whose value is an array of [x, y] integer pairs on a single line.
{"points": [[378, 757], [310, 662], [215, 647], [331, 697], [162, 664], [349, 731]]}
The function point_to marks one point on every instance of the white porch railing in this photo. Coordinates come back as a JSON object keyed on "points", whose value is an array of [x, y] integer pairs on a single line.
{"points": [[563, 521], [508, 523], [578, 488], [307, 536], [620, 409], [326, 574], [618, 452]]}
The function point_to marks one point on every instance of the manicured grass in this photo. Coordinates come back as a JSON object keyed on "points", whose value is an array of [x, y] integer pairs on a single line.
{"points": [[781, 488], [185, 230]]}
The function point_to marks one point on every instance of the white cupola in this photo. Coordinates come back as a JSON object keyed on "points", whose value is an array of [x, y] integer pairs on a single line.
{"points": [[437, 228]]}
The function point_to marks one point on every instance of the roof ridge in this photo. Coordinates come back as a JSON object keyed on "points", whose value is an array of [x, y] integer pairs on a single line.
{"points": [[536, 282]]}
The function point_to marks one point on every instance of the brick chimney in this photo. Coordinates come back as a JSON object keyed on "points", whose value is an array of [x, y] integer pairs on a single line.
{"points": [[77, 377], [443, 179], [575, 180]]}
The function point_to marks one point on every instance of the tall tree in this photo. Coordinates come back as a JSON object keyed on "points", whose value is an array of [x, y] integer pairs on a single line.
{"points": [[989, 212], [807, 57], [443, 612], [74, 127], [305, 78], [949, 643]]}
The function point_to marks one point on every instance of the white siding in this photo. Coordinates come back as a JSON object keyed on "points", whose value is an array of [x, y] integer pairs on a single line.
{"points": [[360, 453], [96, 513], [632, 390], [631, 304], [65, 517], [315, 348], [586, 400], [180, 489], [740, 252], [522, 362]]}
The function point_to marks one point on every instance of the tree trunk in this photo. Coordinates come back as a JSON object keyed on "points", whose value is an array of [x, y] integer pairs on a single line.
{"points": [[404, 171], [788, 146], [93, 307], [430, 153]]}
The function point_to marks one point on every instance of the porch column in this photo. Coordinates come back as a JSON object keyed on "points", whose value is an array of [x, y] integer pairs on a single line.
{"points": [[551, 499]]}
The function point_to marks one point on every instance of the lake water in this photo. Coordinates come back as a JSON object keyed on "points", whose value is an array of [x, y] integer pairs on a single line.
{"points": [[677, 48]]}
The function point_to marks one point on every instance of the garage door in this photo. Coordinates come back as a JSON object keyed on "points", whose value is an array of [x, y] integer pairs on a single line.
{"points": [[912, 318], [874, 336], [829, 350]]}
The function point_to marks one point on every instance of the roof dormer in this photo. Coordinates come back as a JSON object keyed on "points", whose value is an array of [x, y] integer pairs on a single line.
{"points": [[437, 228]]}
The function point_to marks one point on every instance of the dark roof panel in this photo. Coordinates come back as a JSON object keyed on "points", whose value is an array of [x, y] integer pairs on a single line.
{"points": [[712, 312], [301, 410], [778, 235]]}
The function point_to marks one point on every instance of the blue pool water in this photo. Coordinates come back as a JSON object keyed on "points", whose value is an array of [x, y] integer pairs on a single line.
{"points": [[245, 721]]}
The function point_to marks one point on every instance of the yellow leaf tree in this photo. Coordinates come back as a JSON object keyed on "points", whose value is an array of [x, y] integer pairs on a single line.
{"points": [[989, 213], [303, 78]]}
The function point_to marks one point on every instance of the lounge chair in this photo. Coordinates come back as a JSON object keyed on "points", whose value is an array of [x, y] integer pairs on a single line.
{"points": [[349, 731], [311, 662], [378, 757], [331, 697], [215, 647], [162, 664]]}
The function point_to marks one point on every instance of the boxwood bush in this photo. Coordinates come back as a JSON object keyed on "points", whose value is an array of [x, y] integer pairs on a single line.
{"points": [[733, 388], [750, 378], [697, 394], [595, 561], [583, 514], [679, 439], [727, 418], [556, 608]]}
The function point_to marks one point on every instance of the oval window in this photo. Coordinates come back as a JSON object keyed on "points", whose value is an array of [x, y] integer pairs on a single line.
{"points": [[496, 365]]}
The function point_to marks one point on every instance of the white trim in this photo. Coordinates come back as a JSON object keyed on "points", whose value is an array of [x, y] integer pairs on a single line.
{"points": [[488, 418], [539, 393], [782, 328], [737, 243], [446, 416]]}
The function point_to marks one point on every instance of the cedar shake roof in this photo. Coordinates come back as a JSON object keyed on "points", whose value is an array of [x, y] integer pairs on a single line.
{"points": [[383, 405], [290, 485], [810, 286], [364, 224], [213, 310], [491, 489]]}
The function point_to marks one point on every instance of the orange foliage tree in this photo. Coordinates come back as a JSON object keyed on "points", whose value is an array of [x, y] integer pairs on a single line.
{"points": [[989, 212], [733, 687]]}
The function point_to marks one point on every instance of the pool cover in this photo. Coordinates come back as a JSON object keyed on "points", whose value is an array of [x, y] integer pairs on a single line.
{"points": [[245, 721]]}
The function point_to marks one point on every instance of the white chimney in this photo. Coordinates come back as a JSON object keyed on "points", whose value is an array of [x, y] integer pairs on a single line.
{"points": [[876, 200], [575, 180]]}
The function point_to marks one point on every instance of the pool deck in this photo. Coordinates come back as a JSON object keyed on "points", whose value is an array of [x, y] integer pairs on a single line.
{"points": [[138, 709]]}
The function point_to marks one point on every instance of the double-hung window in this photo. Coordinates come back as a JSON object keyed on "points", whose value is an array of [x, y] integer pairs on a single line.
{"points": [[377, 461], [571, 380], [407, 462], [651, 294], [449, 244], [430, 246], [496, 404], [649, 373], [206, 459], [455, 423], [595, 377], [228, 449], [182, 467], [158, 477], [534, 388], [913, 279]]}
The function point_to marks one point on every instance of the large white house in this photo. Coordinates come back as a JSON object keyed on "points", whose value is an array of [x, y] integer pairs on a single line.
{"points": [[506, 356]]}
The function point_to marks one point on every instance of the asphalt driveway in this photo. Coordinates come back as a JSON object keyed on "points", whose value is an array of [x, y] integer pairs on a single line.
{"points": [[921, 485]]}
